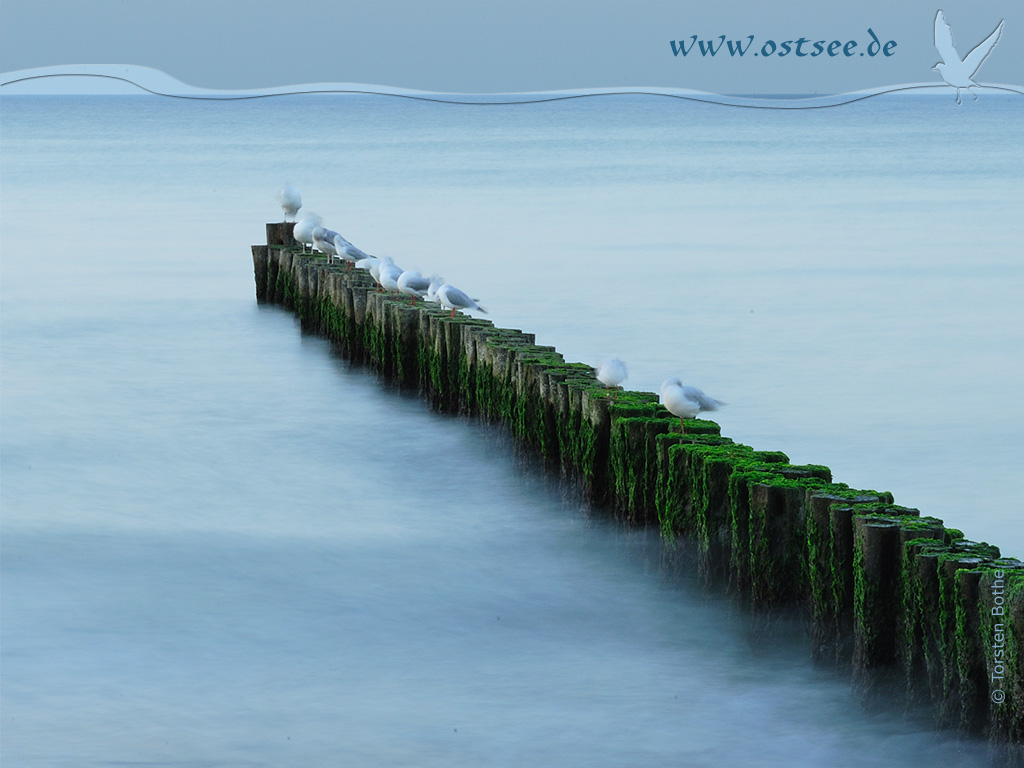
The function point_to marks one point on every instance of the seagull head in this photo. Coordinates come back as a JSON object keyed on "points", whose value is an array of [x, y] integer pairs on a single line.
{"points": [[675, 381]]}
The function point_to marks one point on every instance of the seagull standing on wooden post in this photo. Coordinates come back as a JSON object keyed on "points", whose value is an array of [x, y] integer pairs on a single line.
{"points": [[290, 201], [686, 402]]}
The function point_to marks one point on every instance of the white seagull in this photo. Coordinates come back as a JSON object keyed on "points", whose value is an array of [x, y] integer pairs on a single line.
{"points": [[323, 241], [612, 372], [373, 265], [348, 251], [368, 265], [388, 274], [686, 402], [303, 229], [451, 297], [958, 72], [412, 283], [436, 281], [290, 201]]}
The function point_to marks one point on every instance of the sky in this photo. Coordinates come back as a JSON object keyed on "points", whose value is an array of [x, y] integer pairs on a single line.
{"points": [[501, 46]]}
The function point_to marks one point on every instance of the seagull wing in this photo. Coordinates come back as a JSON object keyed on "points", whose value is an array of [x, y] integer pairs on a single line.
{"points": [[973, 60], [459, 299], [697, 396], [358, 252], [418, 283], [944, 40]]}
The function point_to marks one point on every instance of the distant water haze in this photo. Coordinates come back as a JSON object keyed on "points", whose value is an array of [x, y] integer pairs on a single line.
{"points": [[223, 544]]}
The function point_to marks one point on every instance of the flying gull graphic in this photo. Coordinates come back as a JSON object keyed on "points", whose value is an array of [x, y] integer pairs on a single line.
{"points": [[955, 71]]}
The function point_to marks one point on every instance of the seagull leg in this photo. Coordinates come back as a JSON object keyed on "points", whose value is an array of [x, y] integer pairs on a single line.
{"points": [[453, 312], [682, 427], [972, 92]]}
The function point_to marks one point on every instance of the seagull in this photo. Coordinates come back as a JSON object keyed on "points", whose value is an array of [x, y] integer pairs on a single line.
{"points": [[368, 264], [956, 72], [290, 201], [348, 251], [436, 281], [450, 296], [612, 372], [303, 229], [323, 241], [685, 402], [388, 275], [412, 283]]}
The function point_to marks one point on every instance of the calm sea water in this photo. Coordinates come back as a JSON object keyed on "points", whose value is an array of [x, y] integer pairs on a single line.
{"points": [[223, 546]]}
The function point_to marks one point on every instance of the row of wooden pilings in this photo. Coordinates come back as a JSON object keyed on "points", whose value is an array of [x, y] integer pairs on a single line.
{"points": [[913, 609]]}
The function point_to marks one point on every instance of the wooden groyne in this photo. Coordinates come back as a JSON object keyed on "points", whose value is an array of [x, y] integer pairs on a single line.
{"points": [[914, 610]]}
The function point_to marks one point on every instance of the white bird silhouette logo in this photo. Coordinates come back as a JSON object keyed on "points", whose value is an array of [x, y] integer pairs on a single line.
{"points": [[958, 72]]}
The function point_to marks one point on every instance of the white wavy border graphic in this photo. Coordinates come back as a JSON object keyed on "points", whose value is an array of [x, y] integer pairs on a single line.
{"points": [[158, 83]]}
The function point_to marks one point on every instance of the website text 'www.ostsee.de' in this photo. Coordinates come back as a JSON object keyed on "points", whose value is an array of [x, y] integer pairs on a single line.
{"points": [[799, 48]]}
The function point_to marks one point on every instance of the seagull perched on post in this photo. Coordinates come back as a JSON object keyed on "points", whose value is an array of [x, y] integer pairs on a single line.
{"points": [[436, 281], [685, 402], [388, 274], [955, 71], [412, 283], [451, 297], [290, 201], [323, 241], [612, 373], [303, 230], [347, 251]]}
